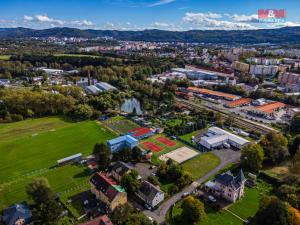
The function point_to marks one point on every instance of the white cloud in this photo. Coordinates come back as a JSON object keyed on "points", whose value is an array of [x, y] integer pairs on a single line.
{"points": [[28, 18], [284, 24], [82, 23], [244, 18], [44, 20], [161, 2], [212, 21]]}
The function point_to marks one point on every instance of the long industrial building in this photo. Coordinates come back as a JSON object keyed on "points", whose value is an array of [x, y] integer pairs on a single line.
{"points": [[215, 137]]}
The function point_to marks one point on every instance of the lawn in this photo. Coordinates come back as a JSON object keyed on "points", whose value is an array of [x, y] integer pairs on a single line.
{"points": [[244, 208], [31, 148], [188, 137], [63, 180], [120, 124], [201, 165], [166, 148], [5, 57]]}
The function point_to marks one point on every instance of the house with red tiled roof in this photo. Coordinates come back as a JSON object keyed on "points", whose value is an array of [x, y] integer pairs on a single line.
{"points": [[107, 190], [101, 220]]}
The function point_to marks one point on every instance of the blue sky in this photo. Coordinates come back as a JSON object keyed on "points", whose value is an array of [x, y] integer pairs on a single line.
{"points": [[144, 14]]}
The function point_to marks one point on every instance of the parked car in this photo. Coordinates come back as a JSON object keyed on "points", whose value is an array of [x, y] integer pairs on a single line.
{"points": [[185, 194], [212, 199], [148, 207], [151, 219]]}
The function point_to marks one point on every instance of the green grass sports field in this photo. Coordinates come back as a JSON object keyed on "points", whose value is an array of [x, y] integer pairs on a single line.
{"points": [[30, 148]]}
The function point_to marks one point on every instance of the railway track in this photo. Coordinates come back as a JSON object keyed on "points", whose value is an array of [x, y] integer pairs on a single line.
{"points": [[239, 121]]}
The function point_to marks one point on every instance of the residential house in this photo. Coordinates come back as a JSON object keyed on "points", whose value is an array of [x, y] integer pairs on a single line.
{"points": [[17, 214], [227, 186], [107, 190], [150, 194], [101, 220], [119, 169]]}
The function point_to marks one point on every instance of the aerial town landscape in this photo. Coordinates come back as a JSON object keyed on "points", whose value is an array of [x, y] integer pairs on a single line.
{"points": [[194, 120]]}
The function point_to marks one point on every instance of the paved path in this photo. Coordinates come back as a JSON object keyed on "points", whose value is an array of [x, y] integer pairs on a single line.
{"points": [[226, 156]]}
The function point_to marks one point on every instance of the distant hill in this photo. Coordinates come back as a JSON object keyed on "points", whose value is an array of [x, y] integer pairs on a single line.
{"points": [[276, 36]]}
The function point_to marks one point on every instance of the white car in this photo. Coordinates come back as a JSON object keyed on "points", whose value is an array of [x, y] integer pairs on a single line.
{"points": [[151, 219], [212, 199]]}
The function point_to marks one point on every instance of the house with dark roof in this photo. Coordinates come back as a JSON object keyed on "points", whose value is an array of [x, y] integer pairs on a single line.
{"points": [[101, 220], [227, 186], [118, 169], [107, 190], [150, 194], [17, 214]]}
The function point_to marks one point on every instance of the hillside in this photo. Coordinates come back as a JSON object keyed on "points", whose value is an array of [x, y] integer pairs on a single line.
{"points": [[276, 36]]}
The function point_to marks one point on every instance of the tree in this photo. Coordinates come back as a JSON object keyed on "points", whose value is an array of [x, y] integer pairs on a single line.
{"points": [[295, 125], [65, 221], [229, 121], [102, 155], [39, 190], [294, 145], [289, 194], [81, 112], [192, 211], [137, 154], [271, 211], [294, 216], [252, 157], [153, 180], [275, 147], [121, 214], [130, 181], [295, 165], [46, 209], [138, 219]]}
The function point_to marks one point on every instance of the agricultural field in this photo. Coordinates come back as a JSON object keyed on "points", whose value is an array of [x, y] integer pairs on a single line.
{"points": [[201, 165], [5, 57], [243, 208], [162, 148], [31, 148], [120, 124]]}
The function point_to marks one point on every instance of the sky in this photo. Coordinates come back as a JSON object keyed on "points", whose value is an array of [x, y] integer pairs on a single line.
{"points": [[176, 15]]}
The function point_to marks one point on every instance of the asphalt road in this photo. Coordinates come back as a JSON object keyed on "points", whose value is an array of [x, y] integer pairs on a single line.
{"points": [[226, 156]]}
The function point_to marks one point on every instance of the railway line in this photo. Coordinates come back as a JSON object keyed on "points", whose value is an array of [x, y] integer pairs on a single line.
{"points": [[239, 121]]}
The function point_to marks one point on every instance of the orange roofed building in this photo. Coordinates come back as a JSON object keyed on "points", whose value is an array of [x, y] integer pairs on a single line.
{"points": [[268, 109], [101, 220], [239, 102], [214, 94]]}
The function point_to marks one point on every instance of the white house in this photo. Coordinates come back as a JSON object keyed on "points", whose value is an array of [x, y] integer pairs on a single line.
{"points": [[227, 186], [150, 194]]}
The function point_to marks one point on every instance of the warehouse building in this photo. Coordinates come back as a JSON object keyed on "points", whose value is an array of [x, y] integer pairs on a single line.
{"points": [[216, 137], [213, 94], [99, 87], [122, 142]]}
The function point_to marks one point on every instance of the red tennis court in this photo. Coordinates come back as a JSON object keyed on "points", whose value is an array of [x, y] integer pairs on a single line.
{"points": [[166, 141], [151, 146]]}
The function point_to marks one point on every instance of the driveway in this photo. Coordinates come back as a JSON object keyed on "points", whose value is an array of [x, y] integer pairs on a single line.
{"points": [[144, 169], [226, 156]]}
